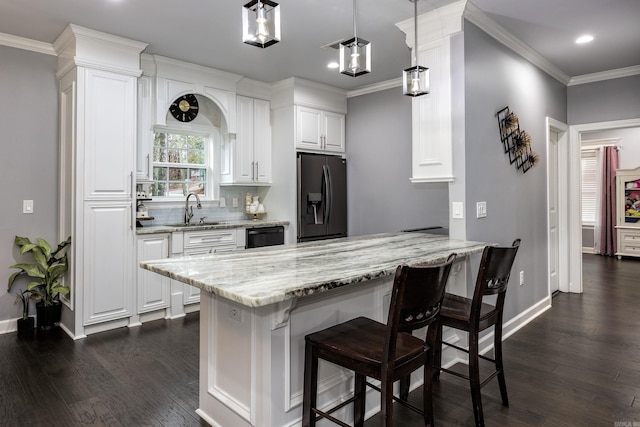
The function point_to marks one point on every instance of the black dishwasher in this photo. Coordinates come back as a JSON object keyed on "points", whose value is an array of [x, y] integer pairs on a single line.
{"points": [[258, 237]]}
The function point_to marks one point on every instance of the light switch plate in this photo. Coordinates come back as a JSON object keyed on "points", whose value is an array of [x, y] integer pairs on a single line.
{"points": [[27, 206], [457, 210], [481, 209], [223, 202]]}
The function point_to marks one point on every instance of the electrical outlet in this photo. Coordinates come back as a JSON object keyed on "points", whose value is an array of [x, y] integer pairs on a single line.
{"points": [[234, 313], [522, 278], [235, 202], [223, 202]]}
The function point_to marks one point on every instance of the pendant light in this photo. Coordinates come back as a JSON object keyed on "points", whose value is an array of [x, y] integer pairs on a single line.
{"points": [[355, 53], [261, 23], [415, 80]]}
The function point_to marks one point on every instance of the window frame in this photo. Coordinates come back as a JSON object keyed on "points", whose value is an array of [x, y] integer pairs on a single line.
{"points": [[212, 173]]}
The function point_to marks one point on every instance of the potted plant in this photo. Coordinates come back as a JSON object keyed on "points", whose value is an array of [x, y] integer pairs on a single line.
{"points": [[46, 273], [25, 323]]}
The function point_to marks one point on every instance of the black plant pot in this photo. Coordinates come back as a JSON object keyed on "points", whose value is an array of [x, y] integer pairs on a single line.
{"points": [[48, 316], [25, 326]]}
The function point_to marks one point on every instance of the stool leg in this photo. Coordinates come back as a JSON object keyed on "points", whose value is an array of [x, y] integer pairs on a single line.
{"points": [[437, 353], [310, 385], [386, 403], [404, 387], [360, 390], [497, 345], [427, 388], [474, 378]]}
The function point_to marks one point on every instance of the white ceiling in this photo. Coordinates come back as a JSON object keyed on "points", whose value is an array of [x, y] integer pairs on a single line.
{"points": [[208, 32]]}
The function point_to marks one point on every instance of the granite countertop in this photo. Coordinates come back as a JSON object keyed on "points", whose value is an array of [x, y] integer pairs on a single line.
{"points": [[218, 225], [263, 276]]}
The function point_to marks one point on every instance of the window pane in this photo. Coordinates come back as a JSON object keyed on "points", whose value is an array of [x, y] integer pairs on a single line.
{"points": [[196, 157], [160, 140], [177, 189], [159, 173], [159, 154], [177, 141], [196, 143], [177, 174], [589, 187]]}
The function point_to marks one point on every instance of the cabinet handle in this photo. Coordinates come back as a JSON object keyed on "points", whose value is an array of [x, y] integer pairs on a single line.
{"points": [[131, 184], [257, 171], [131, 214], [253, 170], [208, 239], [148, 166]]}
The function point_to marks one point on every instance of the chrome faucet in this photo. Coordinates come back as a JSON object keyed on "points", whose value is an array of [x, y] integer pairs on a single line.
{"points": [[188, 211]]}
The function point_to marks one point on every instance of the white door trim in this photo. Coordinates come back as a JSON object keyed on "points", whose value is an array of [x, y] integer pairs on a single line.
{"points": [[575, 234], [562, 192]]}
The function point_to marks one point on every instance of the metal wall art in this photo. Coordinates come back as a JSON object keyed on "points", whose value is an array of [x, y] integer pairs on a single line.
{"points": [[516, 142]]}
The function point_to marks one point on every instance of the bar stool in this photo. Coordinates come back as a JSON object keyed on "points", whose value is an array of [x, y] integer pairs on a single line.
{"points": [[384, 352], [474, 316]]}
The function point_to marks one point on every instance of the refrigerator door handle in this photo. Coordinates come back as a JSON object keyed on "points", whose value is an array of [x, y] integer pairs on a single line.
{"points": [[328, 194]]}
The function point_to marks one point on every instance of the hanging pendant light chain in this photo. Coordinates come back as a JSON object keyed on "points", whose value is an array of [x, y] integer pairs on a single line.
{"points": [[415, 31]]}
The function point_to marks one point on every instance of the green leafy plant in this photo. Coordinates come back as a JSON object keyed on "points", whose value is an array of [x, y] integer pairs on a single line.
{"points": [[46, 272]]}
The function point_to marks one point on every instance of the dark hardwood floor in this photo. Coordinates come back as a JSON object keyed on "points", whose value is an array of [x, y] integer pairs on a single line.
{"points": [[576, 365]]}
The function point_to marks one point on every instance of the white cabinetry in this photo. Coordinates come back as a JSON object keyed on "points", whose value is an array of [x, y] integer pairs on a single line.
{"points": [[98, 96], [153, 289], [628, 212], [318, 130], [203, 242], [145, 130], [248, 160]]}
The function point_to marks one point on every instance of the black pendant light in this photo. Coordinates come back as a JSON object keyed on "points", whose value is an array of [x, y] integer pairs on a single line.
{"points": [[261, 23], [355, 53], [415, 80]]}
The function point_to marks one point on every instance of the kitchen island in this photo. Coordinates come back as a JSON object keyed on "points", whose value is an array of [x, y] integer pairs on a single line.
{"points": [[257, 305]]}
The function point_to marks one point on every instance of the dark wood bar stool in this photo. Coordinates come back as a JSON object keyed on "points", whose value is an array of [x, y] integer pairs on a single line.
{"points": [[474, 316], [384, 352]]}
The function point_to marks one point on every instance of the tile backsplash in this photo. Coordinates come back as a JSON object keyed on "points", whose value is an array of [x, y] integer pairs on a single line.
{"points": [[175, 215]]}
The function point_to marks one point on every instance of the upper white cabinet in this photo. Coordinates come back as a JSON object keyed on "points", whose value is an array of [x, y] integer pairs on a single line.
{"points": [[247, 160], [318, 130]]}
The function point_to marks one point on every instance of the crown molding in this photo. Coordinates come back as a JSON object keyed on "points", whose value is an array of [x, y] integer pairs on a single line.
{"points": [[476, 16], [605, 75], [26, 44], [377, 87]]}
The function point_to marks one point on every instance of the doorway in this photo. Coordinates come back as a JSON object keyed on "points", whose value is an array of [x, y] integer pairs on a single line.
{"points": [[572, 202], [557, 146]]}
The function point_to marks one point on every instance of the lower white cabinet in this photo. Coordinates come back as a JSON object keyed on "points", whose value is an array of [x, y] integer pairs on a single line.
{"points": [[153, 289], [206, 242], [108, 274]]}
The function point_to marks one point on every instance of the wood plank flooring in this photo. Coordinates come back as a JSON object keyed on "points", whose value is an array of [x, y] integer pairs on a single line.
{"points": [[576, 365]]}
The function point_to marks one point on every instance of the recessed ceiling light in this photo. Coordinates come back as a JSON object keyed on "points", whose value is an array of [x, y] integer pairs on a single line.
{"points": [[333, 64], [584, 39]]}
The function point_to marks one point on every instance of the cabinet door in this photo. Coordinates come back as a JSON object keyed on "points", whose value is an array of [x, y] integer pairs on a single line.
{"points": [[108, 111], [262, 140], [144, 143], [244, 167], [153, 289], [333, 132], [308, 128], [106, 255]]}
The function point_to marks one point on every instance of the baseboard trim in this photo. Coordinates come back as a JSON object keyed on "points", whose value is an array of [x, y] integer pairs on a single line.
{"points": [[587, 250], [514, 325], [8, 326]]}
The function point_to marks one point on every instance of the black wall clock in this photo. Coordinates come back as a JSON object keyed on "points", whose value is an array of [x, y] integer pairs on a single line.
{"points": [[184, 108]]}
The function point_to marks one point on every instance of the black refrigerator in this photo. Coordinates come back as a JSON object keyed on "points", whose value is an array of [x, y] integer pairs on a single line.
{"points": [[322, 197]]}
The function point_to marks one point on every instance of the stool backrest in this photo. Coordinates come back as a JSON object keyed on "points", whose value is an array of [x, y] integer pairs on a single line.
{"points": [[416, 299], [493, 275]]}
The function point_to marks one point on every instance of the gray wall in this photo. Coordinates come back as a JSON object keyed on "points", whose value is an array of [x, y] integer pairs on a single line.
{"points": [[29, 162], [380, 196], [615, 99], [496, 77]]}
